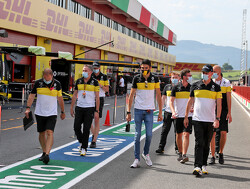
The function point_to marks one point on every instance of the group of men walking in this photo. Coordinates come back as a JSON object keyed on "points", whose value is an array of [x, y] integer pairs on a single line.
{"points": [[188, 105], [89, 92], [204, 105]]}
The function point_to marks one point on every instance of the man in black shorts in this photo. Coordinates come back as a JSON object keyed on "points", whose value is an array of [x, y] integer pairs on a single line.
{"points": [[180, 94], [104, 87], [220, 134], [48, 91]]}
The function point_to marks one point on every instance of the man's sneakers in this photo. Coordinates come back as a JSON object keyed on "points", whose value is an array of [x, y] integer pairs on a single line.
{"points": [[136, 164], [83, 152], [184, 159], [92, 145], [80, 147], [221, 158], [204, 170], [46, 159], [147, 159], [42, 157], [179, 157], [197, 171], [212, 161], [159, 151]]}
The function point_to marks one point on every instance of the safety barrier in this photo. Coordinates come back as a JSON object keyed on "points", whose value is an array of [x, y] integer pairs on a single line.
{"points": [[242, 94]]}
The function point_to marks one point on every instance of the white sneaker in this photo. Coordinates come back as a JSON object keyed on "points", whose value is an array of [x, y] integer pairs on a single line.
{"points": [[80, 147], [83, 152], [197, 171], [204, 169], [147, 159], [136, 164]]}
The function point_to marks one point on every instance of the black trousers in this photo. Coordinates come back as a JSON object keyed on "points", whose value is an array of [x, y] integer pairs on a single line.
{"points": [[83, 116], [167, 123], [203, 132]]}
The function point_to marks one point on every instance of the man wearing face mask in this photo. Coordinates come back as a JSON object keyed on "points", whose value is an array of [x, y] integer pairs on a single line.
{"points": [[144, 85], [206, 97], [87, 92], [220, 134], [167, 120], [48, 91], [104, 87], [180, 94]]}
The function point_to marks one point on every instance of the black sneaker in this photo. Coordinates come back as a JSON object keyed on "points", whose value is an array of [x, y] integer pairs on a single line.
{"points": [[159, 151], [221, 158], [212, 161], [92, 145], [41, 158], [46, 159], [179, 157]]}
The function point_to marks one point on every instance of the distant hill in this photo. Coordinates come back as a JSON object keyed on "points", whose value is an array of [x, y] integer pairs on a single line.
{"points": [[194, 51]]}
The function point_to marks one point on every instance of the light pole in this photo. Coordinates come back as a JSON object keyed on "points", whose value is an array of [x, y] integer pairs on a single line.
{"points": [[246, 82]]}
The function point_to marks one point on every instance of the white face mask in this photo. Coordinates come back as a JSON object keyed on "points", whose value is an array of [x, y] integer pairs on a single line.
{"points": [[189, 80], [85, 74], [204, 77], [96, 71]]}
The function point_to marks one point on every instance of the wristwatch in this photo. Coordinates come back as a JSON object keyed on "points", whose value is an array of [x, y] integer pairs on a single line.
{"points": [[218, 118], [97, 111], [62, 112], [128, 112]]}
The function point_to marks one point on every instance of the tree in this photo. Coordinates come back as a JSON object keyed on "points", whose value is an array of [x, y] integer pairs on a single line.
{"points": [[227, 66]]}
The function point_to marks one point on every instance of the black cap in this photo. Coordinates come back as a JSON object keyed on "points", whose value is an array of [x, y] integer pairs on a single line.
{"points": [[96, 65], [207, 68]]}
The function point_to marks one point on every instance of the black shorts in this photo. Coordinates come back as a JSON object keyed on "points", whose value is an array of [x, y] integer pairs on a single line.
{"points": [[223, 122], [101, 106], [179, 125], [45, 123]]}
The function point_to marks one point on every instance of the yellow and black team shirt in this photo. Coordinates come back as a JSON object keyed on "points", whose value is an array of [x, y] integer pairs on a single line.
{"points": [[145, 89], [225, 86], [181, 95], [103, 80], [205, 97], [167, 91], [86, 92], [46, 103]]}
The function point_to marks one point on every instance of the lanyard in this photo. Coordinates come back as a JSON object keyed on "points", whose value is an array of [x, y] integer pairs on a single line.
{"points": [[50, 88]]}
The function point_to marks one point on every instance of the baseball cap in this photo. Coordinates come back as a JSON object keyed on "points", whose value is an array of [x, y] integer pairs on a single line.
{"points": [[96, 65], [207, 68]]}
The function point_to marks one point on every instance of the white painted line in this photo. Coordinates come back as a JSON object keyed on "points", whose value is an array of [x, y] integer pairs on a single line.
{"points": [[241, 105], [103, 163], [58, 148]]}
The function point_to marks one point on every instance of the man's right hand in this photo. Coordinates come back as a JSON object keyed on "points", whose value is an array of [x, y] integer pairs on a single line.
{"points": [[186, 122], [174, 115], [27, 111], [128, 117], [72, 112]]}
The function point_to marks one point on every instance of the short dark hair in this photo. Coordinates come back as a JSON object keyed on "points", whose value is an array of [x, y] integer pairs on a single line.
{"points": [[48, 71], [147, 62], [184, 72]]}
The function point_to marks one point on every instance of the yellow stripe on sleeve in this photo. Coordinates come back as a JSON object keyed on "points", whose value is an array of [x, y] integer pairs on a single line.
{"points": [[97, 88], [168, 93], [219, 95], [157, 85], [106, 83], [229, 89], [59, 93]]}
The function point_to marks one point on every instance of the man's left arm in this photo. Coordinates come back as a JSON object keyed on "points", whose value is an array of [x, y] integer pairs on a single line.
{"points": [[61, 104], [97, 101], [159, 101], [229, 115]]}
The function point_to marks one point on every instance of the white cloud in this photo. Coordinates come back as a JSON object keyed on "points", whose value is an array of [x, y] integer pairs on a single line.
{"points": [[207, 21]]}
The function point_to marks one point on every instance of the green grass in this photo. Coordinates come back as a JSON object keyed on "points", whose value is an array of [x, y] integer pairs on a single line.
{"points": [[230, 75]]}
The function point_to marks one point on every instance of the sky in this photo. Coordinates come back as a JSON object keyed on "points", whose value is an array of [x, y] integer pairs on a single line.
{"points": [[217, 22]]}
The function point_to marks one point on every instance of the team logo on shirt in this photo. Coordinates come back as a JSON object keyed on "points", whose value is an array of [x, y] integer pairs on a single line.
{"points": [[213, 88], [55, 85], [40, 84], [92, 82]]}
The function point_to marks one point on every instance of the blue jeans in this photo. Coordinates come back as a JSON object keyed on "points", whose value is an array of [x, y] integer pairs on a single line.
{"points": [[147, 117]]}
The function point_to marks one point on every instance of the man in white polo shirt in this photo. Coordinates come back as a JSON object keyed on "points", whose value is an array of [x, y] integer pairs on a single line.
{"points": [[87, 93], [144, 85], [48, 91]]}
